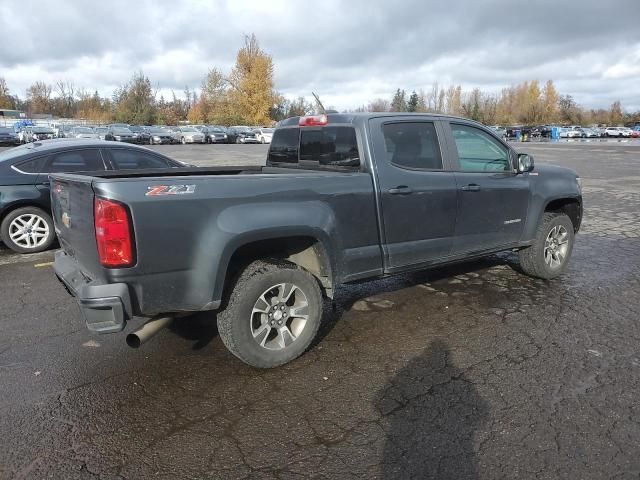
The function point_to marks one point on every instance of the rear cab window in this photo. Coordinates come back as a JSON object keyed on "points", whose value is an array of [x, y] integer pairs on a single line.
{"points": [[332, 146]]}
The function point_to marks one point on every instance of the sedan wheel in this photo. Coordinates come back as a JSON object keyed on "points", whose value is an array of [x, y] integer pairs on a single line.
{"points": [[27, 230]]}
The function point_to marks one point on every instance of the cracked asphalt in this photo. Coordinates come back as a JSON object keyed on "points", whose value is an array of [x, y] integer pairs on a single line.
{"points": [[475, 371]]}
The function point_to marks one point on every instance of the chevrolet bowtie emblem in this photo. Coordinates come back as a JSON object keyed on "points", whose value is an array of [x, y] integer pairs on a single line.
{"points": [[66, 220]]}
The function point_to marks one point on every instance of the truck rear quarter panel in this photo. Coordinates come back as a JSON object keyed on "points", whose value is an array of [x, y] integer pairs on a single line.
{"points": [[184, 242]]}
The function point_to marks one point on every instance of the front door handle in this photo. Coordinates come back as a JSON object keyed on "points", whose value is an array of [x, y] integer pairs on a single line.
{"points": [[400, 190], [472, 187]]}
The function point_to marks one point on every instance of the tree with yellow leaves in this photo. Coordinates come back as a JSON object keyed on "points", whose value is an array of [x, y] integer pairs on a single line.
{"points": [[251, 84]]}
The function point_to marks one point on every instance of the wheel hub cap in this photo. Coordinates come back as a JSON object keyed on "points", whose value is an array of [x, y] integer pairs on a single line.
{"points": [[28, 231], [279, 316], [556, 246]]}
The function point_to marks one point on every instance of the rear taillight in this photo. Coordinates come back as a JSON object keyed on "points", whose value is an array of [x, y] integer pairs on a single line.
{"points": [[113, 234]]}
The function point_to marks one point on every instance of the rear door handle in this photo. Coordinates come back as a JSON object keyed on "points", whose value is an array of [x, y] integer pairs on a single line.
{"points": [[400, 190], [472, 187]]}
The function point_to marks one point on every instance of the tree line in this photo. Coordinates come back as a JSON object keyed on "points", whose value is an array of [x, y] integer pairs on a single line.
{"points": [[527, 103], [246, 95]]}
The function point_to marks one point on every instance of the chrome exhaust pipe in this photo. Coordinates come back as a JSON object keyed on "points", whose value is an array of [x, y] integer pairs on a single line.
{"points": [[148, 330]]}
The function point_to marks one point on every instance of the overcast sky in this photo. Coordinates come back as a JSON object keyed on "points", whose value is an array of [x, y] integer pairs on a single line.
{"points": [[348, 52]]}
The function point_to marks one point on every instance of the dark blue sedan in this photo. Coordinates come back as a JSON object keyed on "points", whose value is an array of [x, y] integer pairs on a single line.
{"points": [[25, 204]]}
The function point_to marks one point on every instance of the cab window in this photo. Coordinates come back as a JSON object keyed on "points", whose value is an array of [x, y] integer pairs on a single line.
{"points": [[331, 146], [478, 151], [284, 146], [412, 145]]}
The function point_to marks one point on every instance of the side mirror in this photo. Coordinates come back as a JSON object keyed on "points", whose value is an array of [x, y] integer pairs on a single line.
{"points": [[525, 162]]}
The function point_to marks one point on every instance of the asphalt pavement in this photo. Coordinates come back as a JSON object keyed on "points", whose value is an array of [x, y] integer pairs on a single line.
{"points": [[475, 371]]}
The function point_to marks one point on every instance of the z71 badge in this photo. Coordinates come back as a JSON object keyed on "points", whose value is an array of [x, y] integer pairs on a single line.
{"points": [[158, 190]]}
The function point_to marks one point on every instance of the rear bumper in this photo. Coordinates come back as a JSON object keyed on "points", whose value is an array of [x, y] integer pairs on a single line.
{"points": [[104, 307]]}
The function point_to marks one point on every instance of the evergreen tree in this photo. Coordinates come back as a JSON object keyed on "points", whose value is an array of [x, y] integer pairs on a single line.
{"points": [[412, 104], [399, 102]]}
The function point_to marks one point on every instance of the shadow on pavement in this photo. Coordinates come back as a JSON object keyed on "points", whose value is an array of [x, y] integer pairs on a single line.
{"points": [[432, 412], [200, 327]]}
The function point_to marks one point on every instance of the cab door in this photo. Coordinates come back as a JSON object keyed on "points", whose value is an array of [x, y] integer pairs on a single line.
{"points": [[492, 198], [417, 191]]}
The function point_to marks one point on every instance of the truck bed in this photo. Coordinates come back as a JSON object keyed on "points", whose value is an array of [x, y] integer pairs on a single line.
{"points": [[187, 223]]}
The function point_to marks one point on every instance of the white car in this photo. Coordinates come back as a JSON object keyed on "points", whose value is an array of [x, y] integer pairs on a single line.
{"points": [[589, 132], [264, 135], [570, 133], [617, 132]]}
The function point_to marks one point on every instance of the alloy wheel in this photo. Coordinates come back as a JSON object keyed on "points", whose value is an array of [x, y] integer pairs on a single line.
{"points": [[279, 316]]}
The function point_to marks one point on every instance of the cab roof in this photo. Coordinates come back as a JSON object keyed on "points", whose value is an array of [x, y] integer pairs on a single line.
{"points": [[359, 117]]}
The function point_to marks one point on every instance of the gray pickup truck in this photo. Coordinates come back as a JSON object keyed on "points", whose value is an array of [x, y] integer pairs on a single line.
{"points": [[342, 198]]}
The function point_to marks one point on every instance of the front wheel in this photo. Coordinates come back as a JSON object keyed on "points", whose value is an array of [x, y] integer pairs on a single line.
{"points": [[27, 230], [549, 255], [272, 315]]}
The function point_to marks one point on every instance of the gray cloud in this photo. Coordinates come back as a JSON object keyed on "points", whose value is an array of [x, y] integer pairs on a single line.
{"points": [[348, 52]]}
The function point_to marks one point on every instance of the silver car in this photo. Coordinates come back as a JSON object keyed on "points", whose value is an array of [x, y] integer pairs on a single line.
{"points": [[84, 132], [35, 133], [191, 135]]}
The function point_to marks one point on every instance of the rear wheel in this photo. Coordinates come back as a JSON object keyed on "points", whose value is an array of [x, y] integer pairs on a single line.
{"points": [[27, 230], [549, 255], [273, 314]]}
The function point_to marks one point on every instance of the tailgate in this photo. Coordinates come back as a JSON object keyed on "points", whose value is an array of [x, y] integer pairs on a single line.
{"points": [[72, 209]]}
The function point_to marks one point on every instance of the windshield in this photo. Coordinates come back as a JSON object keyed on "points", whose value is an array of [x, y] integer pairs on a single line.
{"points": [[267, 130], [83, 130], [5, 130], [157, 130], [135, 128], [188, 129], [102, 130], [121, 131], [42, 130]]}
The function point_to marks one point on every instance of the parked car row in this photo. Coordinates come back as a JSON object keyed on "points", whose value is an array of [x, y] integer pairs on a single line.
{"points": [[572, 131], [157, 134]]}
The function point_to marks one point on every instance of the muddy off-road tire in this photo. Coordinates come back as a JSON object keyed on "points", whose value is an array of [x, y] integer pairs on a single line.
{"points": [[549, 255], [272, 314]]}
